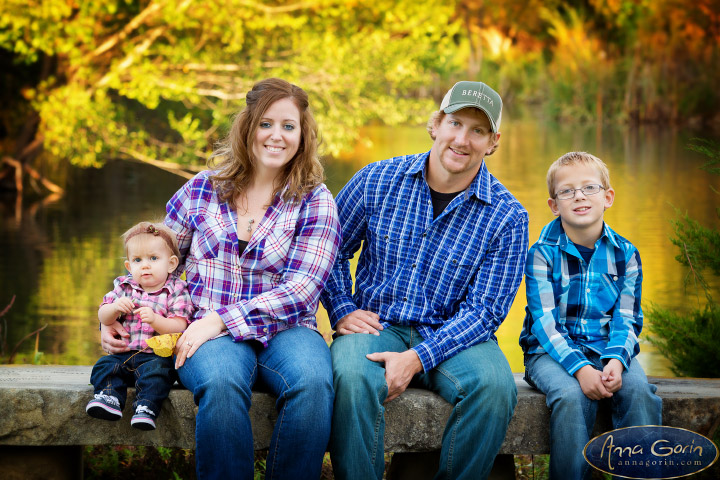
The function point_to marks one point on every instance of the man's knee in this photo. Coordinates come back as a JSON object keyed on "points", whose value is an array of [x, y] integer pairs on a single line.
{"points": [[353, 374]]}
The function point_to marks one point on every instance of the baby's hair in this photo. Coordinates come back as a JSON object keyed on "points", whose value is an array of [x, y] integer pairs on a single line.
{"points": [[157, 229], [574, 158]]}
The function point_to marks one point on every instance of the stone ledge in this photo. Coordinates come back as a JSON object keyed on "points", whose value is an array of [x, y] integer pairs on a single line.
{"points": [[45, 406]]}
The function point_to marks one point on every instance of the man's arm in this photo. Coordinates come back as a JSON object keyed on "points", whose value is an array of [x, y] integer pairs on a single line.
{"points": [[488, 299], [345, 317]]}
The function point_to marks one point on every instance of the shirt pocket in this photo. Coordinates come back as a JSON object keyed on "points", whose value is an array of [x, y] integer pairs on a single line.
{"points": [[275, 249], [205, 243], [389, 245]]}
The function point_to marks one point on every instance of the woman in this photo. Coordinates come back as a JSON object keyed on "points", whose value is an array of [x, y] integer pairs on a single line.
{"points": [[258, 236]]}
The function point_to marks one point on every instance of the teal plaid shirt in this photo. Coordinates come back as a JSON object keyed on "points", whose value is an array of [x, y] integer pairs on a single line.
{"points": [[571, 302]]}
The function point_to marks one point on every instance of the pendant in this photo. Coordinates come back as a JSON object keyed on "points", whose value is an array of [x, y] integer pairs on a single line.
{"points": [[250, 222]]}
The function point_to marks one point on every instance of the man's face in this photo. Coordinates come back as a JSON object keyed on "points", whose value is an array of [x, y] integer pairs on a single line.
{"points": [[462, 139]]}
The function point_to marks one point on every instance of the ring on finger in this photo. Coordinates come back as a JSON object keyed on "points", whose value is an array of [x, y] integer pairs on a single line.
{"points": [[188, 343]]}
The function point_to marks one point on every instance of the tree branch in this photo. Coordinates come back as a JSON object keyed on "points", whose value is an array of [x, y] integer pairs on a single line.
{"points": [[132, 56], [171, 167], [110, 43]]}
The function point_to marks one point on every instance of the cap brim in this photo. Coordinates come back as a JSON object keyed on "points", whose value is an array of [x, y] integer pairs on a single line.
{"points": [[460, 106]]}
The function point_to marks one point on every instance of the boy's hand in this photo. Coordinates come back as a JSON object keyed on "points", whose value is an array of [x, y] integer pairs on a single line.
{"points": [[146, 314], [591, 383], [124, 305], [612, 375]]}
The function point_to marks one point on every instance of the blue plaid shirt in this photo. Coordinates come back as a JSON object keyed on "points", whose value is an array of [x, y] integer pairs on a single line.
{"points": [[571, 302], [454, 278]]}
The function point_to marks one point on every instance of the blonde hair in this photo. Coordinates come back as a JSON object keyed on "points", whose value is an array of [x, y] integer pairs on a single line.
{"points": [[437, 116], [157, 229], [575, 158], [234, 161]]}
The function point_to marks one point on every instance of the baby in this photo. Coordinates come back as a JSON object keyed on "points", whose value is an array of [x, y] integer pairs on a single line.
{"points": [[151, 300]]}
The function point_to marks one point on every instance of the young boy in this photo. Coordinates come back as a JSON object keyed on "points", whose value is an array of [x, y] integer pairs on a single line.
{"points": [[583, 317], [152, 299]]}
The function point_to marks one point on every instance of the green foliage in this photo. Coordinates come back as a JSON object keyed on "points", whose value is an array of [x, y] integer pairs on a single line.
{"points": [[117, 63], [691, 340], [138, 462]]}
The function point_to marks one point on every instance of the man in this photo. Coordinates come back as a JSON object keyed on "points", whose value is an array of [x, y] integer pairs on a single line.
{"points": [[444, 247]]}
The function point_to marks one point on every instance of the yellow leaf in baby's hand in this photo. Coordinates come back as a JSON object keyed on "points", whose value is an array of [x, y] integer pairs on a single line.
{"points": [[163, 345]]}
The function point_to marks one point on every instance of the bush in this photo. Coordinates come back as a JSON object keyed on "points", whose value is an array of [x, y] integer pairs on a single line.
{"points": [[691, 340]]}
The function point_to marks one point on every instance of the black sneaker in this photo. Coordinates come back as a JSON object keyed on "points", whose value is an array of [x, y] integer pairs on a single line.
{"points": [[104, 407], [144, 418]]}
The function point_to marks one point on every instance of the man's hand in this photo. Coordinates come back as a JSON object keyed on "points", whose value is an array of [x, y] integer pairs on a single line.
{"points": [[359, 321], [114, 338], [399, 370], [146, 314], [612, 375], [591, 383]]}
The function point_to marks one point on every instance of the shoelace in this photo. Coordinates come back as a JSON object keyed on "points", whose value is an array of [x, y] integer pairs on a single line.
{"points": [[144, 409], [107, 398]]}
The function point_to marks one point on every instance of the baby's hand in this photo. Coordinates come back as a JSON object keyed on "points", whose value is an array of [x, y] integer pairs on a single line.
{"points": [[124, 305], [146, 314]]}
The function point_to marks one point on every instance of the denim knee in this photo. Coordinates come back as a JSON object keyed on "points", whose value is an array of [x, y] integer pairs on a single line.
{"points": [[356, 378]]}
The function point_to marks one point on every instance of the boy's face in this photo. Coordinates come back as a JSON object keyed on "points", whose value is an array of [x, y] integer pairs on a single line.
{"points": [[150, 261], [582, 213]]}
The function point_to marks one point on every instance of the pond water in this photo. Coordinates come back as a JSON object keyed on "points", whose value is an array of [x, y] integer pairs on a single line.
{"points": [[59, 257]]}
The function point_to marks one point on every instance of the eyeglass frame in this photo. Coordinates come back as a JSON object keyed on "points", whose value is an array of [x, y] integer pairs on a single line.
{"points": [[581, 189]]}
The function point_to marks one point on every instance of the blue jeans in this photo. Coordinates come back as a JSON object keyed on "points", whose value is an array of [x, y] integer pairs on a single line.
{"points": [[295, 367], [572, 414], [478, 383], [152, 376]]}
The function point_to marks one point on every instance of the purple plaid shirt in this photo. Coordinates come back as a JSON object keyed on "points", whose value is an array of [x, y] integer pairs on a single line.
{"points": [[276, 283], [172, 300]]}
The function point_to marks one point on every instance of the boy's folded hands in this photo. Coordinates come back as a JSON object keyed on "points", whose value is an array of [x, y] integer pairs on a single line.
{"points": [[592, 383]]}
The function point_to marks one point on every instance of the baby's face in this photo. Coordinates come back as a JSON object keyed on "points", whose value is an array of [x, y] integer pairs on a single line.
{"points": [[150, 261]]}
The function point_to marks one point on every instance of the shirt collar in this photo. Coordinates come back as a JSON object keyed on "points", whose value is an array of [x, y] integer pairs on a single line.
{"points": [[480, 186], [554, 234], [129, 280]]}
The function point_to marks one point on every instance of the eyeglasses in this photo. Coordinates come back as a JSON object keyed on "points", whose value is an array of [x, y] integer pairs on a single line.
{"points": [[587, 190]]}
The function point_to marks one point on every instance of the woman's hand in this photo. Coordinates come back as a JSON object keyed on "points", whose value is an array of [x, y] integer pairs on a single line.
{"points": [[197, 333], [114, 338]]}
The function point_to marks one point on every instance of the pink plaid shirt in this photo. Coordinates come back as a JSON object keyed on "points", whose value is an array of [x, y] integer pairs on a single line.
{"points": [[276, 283], [172, 300]]}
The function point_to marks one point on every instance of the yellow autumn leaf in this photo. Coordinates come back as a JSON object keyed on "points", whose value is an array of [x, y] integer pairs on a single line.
{"points": [[163, 345]]}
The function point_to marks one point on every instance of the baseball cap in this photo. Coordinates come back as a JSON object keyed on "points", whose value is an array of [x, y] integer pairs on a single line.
{"points": [[477, 95]]}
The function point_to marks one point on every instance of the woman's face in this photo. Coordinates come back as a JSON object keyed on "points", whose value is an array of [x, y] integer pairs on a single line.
{"points": [[277, 137]]}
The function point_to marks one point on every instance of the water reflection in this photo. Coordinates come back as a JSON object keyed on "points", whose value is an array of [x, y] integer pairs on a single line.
{"points": [[60, 258]]}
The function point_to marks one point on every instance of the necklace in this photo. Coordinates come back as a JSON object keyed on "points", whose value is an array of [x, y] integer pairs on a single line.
{"points": [[250, 222]]}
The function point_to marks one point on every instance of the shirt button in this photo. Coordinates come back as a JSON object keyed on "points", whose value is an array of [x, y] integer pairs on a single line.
{"points": [[414, 265], [386, 237], [404, 299], [264, 329], [424, 234], [614, 278], [588, 290], [584, 322]]}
